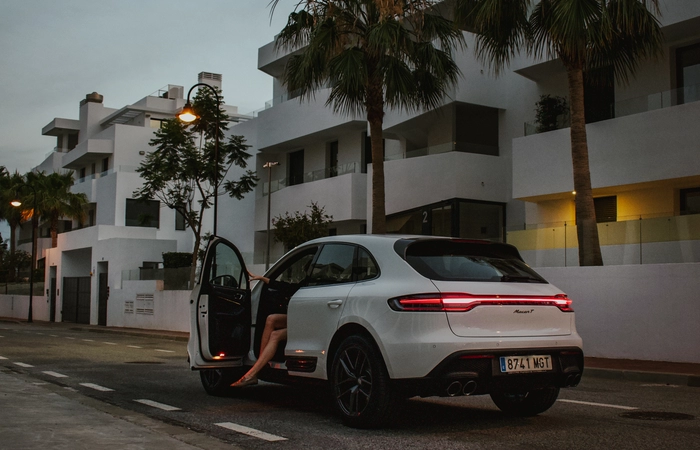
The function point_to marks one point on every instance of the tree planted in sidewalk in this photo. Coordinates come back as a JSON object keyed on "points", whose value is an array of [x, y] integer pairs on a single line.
{"points": [[182, 170]]}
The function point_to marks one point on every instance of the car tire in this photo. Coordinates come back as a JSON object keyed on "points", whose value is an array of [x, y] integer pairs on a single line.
{"points": [[526, 404], [218, 381], [362, 391]]}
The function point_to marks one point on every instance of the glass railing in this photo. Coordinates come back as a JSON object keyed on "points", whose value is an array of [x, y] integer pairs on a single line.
{"points": [[173, 279], [124, 169], [312, 176], [638, 105], [629, 235]]}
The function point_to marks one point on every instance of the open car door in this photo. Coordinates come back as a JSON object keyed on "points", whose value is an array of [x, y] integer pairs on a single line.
{"points": [[220, 316]]}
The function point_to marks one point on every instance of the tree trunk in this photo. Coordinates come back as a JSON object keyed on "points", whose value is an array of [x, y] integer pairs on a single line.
{"points": [[195, 254], [587, 226], [54, 233], [375, 117]]}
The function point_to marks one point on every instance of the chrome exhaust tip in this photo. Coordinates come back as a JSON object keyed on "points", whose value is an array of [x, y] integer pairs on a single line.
{"points": [[455, 388], [469, 387]]}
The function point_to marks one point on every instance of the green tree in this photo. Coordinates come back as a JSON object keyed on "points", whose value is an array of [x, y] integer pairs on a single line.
{"points": [[293, 230], [56, 201], [182, 170], [374, 54], [585, 35]]}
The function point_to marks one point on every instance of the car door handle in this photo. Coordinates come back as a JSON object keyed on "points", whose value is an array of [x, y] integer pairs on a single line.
{"points": [[335, 303]]}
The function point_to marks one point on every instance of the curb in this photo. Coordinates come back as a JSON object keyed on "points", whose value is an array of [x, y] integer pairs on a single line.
{"points": [[640, 376]]}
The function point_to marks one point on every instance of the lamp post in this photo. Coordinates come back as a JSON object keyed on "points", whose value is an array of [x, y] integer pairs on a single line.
{"points": [[269, 165], [188, 115], [16, 204]]}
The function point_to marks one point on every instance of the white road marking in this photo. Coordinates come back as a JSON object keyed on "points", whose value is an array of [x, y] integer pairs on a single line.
{"points": [[69, 337], [55, 374], [162, 406], [53, 335], [88, 340], [97, 387], [133, 346], [110, 343], [661, 385], [2, 336], [165, 351], [604, 405], [2, 357], [251, 432], [23, 364]]}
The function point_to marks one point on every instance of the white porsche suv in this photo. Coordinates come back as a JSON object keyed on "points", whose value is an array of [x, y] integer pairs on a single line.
{"points": [[385, 318]]}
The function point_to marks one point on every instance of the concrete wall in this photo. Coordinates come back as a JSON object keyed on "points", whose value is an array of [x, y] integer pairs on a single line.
{"points": [[646, 312], [17, 307], [170, 309]]}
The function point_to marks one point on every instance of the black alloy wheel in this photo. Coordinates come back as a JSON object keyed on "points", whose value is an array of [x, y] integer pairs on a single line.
{"points": [[218, 381], [361, 386]]}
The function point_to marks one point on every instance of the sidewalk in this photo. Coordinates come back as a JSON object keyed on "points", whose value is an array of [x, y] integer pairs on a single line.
{"points": [[36, 416]]}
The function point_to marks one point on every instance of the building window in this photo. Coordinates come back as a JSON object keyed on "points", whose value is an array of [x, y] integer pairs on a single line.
{"points": [[476, 129], [599, 95], [688, 73], [605, 209], [142, 213], [296, 167], [72, 141], [82, 172], [332, 164], [179, 221], [157, 123], [470, 219], [690, 201], [105, 164]]}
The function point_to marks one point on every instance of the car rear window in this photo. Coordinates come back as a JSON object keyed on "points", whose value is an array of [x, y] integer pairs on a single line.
{"points": [[457, 260]]}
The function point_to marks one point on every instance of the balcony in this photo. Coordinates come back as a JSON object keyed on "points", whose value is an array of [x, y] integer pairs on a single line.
{"points": [[655, 141], [653, 239], [88, 152], [343, 196]]}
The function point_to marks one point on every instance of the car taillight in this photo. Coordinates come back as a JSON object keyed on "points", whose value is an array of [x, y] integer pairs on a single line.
{"points": [[462, 302]]}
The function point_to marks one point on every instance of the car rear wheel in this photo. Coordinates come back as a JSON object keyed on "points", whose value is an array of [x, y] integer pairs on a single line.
{"points": [[218, 381], [526, 404], [361, 387]]}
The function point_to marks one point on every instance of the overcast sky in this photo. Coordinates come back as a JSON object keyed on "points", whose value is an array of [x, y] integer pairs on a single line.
{"points": [[54, 52]]}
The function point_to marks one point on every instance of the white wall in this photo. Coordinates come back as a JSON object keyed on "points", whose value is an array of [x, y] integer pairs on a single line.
{"points": [[171, 309], [646, 312], [17, 307]]}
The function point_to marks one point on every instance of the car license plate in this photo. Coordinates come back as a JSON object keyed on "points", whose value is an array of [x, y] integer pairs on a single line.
{"points": [[529, 363]]}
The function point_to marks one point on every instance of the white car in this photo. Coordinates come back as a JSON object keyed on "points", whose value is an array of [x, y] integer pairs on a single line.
{"points": [[384, 318]]}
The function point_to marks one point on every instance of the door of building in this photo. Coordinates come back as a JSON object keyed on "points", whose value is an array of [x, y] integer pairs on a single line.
{"points": [[52, 300], [103, 296], [76, 299]]}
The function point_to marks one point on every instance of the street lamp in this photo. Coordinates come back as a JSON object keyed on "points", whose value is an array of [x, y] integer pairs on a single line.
{"points": [[16, 204], [188, 115], [269, 165]]}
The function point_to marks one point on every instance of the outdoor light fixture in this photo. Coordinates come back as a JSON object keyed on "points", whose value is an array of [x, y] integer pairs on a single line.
{"points": [[188, 115], [269, 165], [16, 203]]}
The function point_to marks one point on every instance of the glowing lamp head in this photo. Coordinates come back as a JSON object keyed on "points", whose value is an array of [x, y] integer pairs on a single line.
{"points": [[16, 203], [187, 114]]}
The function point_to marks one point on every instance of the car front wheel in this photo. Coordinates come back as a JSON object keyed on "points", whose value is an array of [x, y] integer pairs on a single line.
{"points": [[218, 381], [361, 387], [526, 404]]}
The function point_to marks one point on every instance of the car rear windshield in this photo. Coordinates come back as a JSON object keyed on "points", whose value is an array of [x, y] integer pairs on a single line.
{"points": [[456, 260]]}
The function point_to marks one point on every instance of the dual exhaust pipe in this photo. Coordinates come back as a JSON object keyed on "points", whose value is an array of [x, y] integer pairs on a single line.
{"points": [[458, 388]]}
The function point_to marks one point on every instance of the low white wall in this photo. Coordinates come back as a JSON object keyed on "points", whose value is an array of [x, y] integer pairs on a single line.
{"points": [[647, 312], [17, 307], [170, 309]]}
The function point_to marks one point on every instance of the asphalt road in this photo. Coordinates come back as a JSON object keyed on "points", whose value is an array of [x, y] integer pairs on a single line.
{"points": [[150, 376]]}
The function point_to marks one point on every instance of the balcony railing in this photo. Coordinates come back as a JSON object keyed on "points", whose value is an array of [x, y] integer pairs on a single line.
{"points": [[312, 176], [125, 169], [630, 235], [638, 105]]}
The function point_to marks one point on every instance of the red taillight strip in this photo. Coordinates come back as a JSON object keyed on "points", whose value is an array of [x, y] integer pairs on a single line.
{"points": [[462, 302]]}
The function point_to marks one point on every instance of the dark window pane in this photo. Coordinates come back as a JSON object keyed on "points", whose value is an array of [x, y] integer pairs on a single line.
{"points": [[142, 213]]}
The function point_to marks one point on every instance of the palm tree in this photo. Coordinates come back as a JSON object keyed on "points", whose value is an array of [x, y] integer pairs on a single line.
{"points": [[56, 201], [374, 54], [11, 187], [585, 35]]}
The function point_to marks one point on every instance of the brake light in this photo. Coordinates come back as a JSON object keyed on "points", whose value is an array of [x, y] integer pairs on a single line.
{"points": [[462, 302]]}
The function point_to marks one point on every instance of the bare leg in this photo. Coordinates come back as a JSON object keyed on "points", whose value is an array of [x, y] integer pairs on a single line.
{"points": [[275, 331]]}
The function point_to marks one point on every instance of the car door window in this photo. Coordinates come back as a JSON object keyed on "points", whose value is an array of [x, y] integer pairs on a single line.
{"points": [[226, 269], [334, 265]]}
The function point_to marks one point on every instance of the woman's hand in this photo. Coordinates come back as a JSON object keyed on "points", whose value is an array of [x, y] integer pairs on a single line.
{"points": [[259, 278]]}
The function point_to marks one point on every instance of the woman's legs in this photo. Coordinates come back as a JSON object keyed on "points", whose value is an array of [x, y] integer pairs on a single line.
{"points": [[275, 331]]}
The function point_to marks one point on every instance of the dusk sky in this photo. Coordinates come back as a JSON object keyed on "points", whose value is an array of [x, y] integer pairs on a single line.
{"points": [[55, 52]]}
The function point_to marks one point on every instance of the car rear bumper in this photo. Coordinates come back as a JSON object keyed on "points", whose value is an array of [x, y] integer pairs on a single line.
{"points": [[479, 372]]}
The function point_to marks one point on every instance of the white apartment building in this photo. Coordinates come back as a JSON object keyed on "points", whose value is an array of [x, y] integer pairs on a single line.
{"points": [[103, 147], [475, 169]]}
